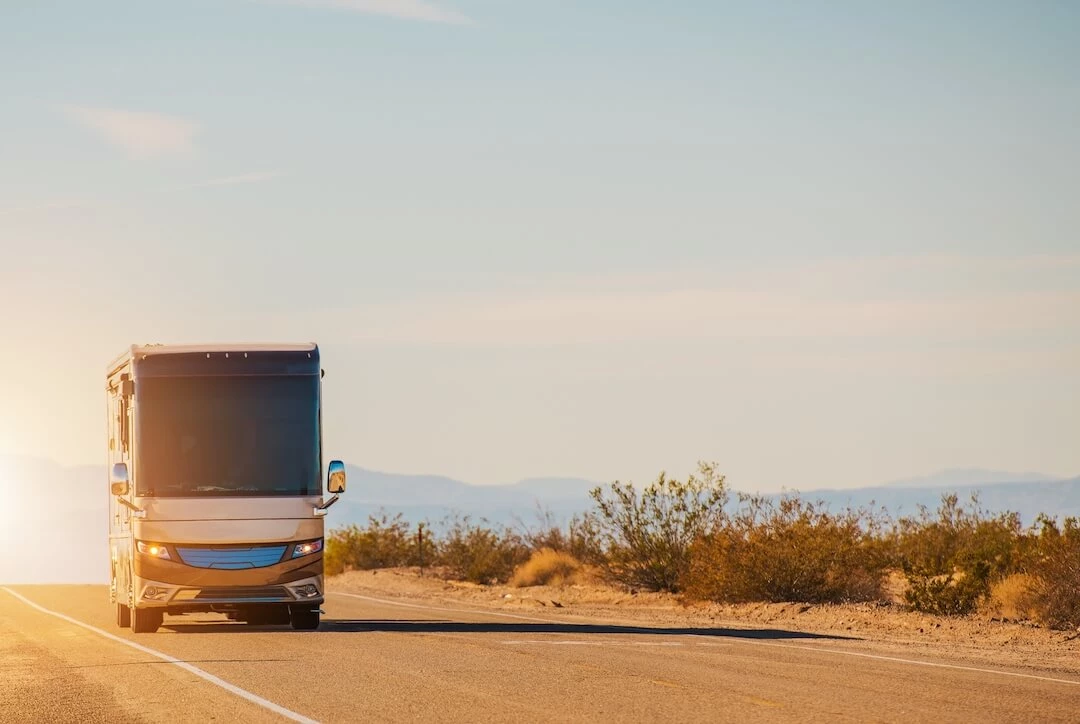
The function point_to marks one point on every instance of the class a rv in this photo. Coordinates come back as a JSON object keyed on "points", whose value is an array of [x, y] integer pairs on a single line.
{"points": [[216, 504]]}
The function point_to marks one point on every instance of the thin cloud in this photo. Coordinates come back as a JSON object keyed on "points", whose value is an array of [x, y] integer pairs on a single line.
{"points": [[403, 9], [47, 206], [699, 314], [62, 205], [244, 178], [767, 304], [140, 134]]}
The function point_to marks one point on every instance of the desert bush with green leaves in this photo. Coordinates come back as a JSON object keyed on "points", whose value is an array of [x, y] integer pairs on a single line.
{"points": [[790, 550], [480, 553], [385, 542], [952, 558], [646, 537]]}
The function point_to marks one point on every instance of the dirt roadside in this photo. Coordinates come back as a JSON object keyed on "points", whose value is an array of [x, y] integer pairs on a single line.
{"points": [[975, 640]]}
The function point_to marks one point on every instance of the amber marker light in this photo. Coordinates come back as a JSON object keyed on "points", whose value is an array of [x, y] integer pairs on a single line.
{"points": [[155, 550]]}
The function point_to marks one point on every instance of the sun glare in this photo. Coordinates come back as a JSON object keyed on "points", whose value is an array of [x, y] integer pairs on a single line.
{"points": [[9, 505], [7, 501], [9, 510]]}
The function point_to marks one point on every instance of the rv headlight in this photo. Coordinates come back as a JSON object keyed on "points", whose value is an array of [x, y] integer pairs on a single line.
{"points": [[306, 549], [154, 550]]}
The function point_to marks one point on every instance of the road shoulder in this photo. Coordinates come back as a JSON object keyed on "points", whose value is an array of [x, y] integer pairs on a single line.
{"points": [[56, 671], [971, 640]]}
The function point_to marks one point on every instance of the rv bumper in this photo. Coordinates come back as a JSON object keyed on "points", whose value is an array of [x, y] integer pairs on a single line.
{"points": [[181, 598]]}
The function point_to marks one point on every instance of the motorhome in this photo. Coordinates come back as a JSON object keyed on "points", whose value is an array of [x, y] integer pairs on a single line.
{"points": [[216, 487]]}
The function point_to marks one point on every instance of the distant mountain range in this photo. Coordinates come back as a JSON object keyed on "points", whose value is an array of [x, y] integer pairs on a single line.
{"points": [[968, 477], [433, 498], [55, 516], [1054, 497]]}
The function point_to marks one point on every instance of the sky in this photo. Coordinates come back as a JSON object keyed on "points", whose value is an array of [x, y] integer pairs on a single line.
{"points": [[823, 244]]}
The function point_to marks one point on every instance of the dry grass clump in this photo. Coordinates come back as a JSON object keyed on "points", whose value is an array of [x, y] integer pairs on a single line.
{"points": [[547, 567], [1011, 597]]}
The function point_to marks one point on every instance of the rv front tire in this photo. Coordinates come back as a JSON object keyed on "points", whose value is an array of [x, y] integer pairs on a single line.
{"points": [[146, 620], [304, 619]]}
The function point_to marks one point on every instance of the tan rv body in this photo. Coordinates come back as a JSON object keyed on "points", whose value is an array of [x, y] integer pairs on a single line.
{"points": [[253, 555]]}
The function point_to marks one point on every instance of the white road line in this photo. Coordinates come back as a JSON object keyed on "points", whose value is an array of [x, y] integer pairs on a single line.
{"points": [[838, 652], [205, 675], [913, 662], [590, 643], [554, 643]]}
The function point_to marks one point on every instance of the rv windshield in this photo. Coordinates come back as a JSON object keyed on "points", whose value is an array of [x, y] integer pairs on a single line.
{"points": [[235, 436]]}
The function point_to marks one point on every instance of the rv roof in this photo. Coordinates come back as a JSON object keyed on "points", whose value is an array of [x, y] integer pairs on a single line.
{"points": [[156, 349], [144, 351]]}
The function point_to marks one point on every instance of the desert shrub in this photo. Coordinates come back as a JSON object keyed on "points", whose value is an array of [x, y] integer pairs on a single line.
{"points": [[554, 538], [547, 567], [425, 548], [646, 538], [579, 538], [585, 543], [952, 594], [680, 536], [790, 550], [480, 553], [336, 551], [384, 543], [1055, 592], [951, 560]]}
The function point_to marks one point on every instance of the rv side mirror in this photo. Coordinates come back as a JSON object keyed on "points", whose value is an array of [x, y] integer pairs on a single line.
{"points": [[335, 478], [118, 481]]}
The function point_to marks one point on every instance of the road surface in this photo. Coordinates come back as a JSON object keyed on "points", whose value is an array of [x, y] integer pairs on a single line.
{"points": [[375, 659]]}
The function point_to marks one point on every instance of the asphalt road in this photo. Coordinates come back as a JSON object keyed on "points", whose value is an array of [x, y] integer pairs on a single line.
{"points": [[406, 660]]}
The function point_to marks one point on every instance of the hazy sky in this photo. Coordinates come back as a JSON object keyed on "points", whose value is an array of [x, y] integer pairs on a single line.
{"points": [[823, 244]]}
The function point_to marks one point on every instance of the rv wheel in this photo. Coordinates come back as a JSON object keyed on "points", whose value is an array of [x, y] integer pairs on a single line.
{"points": [[304, 619], [146, 620]]}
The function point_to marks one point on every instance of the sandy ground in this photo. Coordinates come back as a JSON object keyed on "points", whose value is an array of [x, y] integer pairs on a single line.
{"points": [[976, 639]]}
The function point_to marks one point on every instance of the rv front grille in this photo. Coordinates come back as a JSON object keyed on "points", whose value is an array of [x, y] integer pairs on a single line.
{"points": [[231, 557]]}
